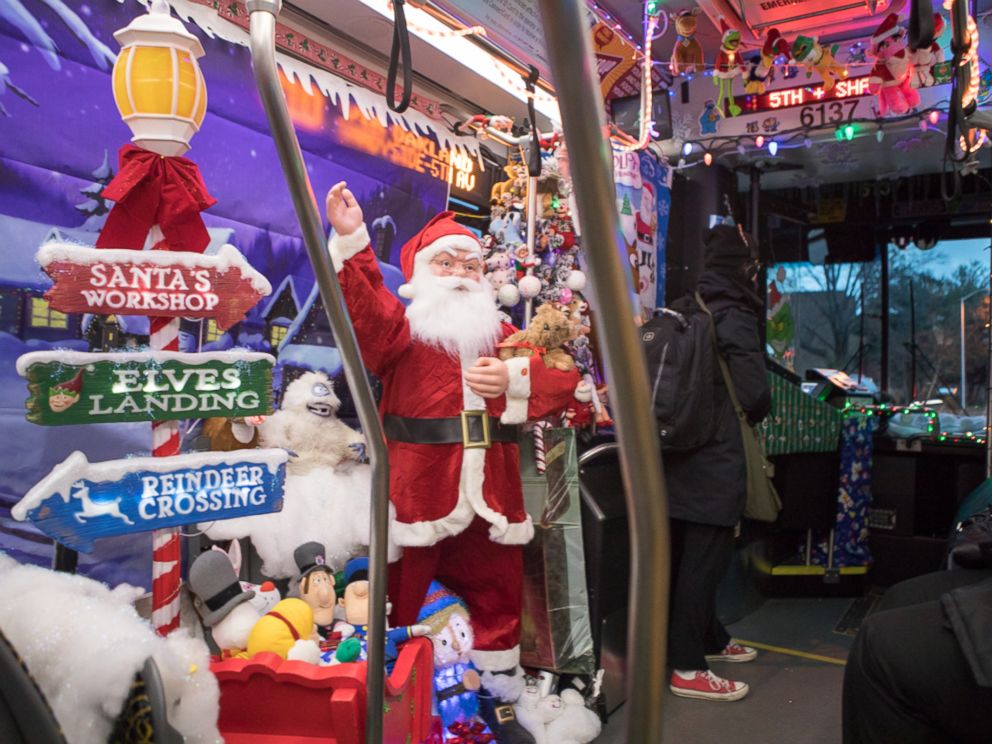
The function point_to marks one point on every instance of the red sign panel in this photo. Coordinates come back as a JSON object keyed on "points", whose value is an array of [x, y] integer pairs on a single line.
{"points": [[156, 283], [802, 95]]}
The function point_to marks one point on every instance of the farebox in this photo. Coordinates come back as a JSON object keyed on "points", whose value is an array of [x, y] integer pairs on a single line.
{"points": [[269, 699]]}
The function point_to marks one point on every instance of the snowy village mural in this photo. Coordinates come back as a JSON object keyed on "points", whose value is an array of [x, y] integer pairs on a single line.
{"points": [[59, 136]]}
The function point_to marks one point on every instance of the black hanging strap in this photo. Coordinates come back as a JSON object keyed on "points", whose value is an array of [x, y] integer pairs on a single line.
{"points": [[534, 157], [401, 46]]}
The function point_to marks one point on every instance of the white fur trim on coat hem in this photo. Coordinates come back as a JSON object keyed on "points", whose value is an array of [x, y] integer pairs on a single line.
{"points": [[496, 661], [516, 533], [343, 247]]}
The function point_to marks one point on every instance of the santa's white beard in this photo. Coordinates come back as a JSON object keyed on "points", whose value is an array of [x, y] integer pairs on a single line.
{"points": [[454, 313]]}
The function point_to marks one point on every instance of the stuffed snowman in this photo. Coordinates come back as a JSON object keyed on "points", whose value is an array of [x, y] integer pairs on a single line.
{"points": [[327, 491]]}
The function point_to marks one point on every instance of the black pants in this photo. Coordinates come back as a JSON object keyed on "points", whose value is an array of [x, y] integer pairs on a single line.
{"points": [[701, 554], [906, 679]]}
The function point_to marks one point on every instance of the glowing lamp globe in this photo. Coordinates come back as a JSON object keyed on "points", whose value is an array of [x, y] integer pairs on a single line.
{"points": [[158, 86]]}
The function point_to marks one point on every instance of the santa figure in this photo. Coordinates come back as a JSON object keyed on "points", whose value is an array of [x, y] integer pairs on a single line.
{"points": [[925, 59], [451, 411], [891, 77]]}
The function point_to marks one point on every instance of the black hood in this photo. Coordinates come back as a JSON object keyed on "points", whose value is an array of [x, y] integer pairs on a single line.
{"points": [[730, 287]]}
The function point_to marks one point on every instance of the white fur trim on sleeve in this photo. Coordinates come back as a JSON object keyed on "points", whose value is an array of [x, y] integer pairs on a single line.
{"points": [[343, 247], [518, 391], [515, 533]]}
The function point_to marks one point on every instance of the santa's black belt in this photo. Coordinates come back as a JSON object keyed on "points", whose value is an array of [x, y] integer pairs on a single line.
{"points": [[472, 429]]}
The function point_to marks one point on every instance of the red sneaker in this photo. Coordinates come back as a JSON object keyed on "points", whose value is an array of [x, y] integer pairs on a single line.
{"points": [[735, 652], [707, 686]]}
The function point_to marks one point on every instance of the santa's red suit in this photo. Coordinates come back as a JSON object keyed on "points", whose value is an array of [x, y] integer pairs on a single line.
{"points": [[459, 508]]}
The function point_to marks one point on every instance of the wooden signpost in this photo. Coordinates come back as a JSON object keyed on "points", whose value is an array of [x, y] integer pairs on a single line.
{"points": [[172, 284], [88, 388], [79, 501]]}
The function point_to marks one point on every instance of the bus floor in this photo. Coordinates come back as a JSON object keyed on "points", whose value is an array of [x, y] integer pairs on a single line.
{"points": [[795, 682]]}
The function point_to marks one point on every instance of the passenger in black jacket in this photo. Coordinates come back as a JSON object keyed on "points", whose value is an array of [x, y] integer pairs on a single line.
{"points": [[707, 486]]}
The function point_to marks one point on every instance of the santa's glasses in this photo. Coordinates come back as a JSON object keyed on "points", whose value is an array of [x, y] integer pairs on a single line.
{"points": [[449, 265]]}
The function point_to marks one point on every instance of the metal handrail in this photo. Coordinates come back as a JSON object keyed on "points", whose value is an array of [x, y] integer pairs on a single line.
{"points": [[580, 101], [262, 14]]}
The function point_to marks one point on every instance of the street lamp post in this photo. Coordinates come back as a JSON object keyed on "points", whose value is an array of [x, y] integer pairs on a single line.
{"points": [[964, 388]]}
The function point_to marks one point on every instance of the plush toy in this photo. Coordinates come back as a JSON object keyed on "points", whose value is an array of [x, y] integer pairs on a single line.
{"points": [[557, 719], [223, 605], [315, 584], [327, 490], [687, 56], [227, 435], [456, 680], [548, 331], [807, 51], [266, 594], [891, 77], [355, 603], [925, 59], [728, 66], [709, 120], [286, 630], [761, 67]]}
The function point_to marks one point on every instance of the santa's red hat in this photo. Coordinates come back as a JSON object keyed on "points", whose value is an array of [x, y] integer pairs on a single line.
{"points": [[442, 234], [889, 27]]}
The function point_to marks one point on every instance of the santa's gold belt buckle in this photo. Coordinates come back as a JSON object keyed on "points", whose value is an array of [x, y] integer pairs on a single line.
{"points": [[467, 441]]}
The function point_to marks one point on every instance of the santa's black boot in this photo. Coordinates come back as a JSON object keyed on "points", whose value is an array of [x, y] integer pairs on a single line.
{"points": [[497, 711]]}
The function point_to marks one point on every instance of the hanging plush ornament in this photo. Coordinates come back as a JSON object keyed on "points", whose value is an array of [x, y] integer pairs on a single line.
{"points": [[761, 68], [508, 295], [576, 281], [529, 286], [807, 51], [728, 66], [925, 59], [687, 56], [891, 77]]}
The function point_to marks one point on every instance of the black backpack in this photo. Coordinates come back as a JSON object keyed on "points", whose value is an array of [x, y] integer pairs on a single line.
{"points": [[682, 369]]}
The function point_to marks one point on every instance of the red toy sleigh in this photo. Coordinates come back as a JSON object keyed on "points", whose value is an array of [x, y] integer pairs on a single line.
{"points": [[267, 699]]}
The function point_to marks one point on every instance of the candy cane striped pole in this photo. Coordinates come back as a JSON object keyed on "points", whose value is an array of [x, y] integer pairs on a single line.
{"points": [[540, 457], [166, 555]]}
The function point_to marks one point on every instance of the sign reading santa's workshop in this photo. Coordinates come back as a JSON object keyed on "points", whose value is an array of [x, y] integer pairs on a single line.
{"points": [[170, 284], [79, 501], [75, 387]]}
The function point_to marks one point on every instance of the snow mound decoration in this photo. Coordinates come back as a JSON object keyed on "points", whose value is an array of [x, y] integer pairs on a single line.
{"points": [[84, 642]]}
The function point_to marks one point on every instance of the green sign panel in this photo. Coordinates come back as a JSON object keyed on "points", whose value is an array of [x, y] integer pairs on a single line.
{"points": [[82, 388]]}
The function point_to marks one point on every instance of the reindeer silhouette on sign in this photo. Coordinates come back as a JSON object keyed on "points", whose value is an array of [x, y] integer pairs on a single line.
{"points": [[97, 508]]}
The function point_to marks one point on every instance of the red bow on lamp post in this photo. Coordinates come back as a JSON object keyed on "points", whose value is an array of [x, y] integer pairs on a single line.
{"points": [[154, 190]]}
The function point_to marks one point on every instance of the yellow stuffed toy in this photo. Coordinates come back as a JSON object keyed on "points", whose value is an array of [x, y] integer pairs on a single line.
{"points": [[291, 620]]}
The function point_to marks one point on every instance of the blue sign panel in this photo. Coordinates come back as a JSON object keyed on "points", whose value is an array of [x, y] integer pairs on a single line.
{"points": [[80, 501]]}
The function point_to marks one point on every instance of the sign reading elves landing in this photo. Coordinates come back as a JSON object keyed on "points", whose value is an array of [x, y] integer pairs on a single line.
{"points": [[85, 388], [80, 501], [163, 283]]}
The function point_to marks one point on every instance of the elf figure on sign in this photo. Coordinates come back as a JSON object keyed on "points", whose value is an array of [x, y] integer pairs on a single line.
{"points": [[451, 411]]}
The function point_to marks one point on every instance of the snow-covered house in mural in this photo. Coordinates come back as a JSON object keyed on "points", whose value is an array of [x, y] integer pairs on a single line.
{"points": [[279, 311]]}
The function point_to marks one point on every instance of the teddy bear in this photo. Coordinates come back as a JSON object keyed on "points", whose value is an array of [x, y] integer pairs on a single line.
{"points": [[557, 719], [687, 56], [924, 59], [548, 331], [891, 79]]}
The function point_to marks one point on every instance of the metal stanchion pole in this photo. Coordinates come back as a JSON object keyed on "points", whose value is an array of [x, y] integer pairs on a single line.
{"points": [[566, 31]]}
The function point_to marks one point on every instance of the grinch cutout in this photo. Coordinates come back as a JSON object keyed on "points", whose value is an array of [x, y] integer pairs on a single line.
{"points": [[780, 331], [728, 67], [891, 79], [66, 394], [925, 59], [815, 58], [456, 680], [761, 68], [687, 56]]}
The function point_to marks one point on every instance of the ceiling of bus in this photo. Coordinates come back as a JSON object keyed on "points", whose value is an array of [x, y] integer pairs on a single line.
{"points": [[905, 148]]}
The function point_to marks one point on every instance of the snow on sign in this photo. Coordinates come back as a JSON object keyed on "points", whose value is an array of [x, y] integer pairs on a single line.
{"points": [[162, 283], [75, 387], [79, 501]]}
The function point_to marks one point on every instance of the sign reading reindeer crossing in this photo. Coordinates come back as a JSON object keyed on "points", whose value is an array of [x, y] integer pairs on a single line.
{"points": [[80, 501]]}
